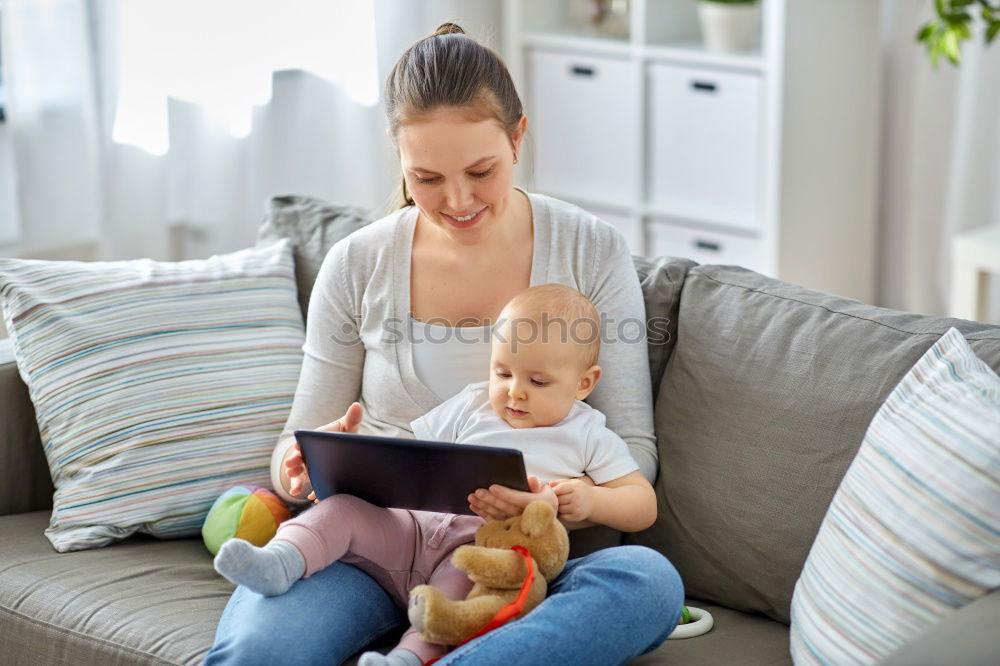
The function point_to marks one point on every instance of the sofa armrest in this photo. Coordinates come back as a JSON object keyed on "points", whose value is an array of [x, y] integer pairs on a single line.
{"points": [[965, 638], [25, 483]]}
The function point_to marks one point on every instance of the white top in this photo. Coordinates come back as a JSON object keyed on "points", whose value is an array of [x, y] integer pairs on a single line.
{"points": [[356, 346], [579, 444], [448, 358]]}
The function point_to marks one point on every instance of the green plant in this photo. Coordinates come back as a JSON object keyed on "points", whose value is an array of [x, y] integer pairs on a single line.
{"points": [[944, 35]]}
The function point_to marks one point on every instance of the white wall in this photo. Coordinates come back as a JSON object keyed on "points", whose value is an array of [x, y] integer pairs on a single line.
{"points": [[8, 194], [8, 221], [940, 160]]}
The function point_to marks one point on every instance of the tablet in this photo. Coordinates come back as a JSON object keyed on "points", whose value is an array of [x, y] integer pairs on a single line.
{"points": [[406, 473]]}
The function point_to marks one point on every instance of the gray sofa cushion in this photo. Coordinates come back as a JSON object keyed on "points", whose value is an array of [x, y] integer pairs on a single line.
{"points": [[762, 407], [138, 601], [313, 225], [661, 280], [27, 484]]}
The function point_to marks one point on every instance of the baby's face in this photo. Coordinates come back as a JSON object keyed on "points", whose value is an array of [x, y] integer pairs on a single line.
{"points": [[534, 383]]}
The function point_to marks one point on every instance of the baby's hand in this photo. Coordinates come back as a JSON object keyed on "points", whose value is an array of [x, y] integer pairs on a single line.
{"points": [[576, 499]]}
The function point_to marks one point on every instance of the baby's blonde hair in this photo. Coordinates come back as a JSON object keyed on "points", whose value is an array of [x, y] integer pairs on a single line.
{"points": [[562, 306]]}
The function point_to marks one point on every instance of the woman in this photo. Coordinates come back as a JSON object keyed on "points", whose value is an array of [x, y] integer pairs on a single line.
{"points": [[399, 320]]}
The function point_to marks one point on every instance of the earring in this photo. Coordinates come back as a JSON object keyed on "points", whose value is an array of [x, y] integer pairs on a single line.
{"points": [[515, 159]]}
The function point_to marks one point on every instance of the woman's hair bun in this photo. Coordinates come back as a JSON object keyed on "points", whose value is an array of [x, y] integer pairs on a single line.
{"points": [[448, 29]]}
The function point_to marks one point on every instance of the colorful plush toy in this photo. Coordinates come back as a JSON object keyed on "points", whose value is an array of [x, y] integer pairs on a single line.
{"points": [[246, 512], [511, 564]]}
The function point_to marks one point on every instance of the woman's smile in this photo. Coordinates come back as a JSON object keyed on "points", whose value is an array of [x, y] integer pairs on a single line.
{"points": [[464, 222]]}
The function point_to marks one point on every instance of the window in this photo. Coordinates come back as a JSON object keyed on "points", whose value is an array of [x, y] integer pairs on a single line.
{"points": [[3, 91], [220, 55]]}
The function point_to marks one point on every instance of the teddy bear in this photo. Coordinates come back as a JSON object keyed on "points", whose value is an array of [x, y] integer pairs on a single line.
{"points": [[498, 573]]}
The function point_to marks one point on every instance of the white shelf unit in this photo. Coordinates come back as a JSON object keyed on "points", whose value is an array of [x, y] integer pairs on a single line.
{"points": [[765, 158]]}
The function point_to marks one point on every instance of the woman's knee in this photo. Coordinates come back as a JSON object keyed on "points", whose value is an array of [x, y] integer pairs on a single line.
{"points": [[238, 639], [651, 581], [338, 611], [242, 647], [659, 570], [641, 573], [639, 558]]}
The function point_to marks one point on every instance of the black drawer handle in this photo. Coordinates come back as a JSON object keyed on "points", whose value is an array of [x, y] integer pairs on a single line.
{"points": [[704, 86], [707, 245], [580, 70]]}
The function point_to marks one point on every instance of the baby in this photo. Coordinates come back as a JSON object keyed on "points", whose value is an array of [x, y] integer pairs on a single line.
{"points": [[543, 364]]}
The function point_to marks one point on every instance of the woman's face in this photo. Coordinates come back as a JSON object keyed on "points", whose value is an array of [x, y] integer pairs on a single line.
{"points": [[460, 173]]}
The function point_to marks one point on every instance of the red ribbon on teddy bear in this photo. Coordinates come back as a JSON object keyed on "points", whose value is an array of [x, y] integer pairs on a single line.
{"points": [[510, 611]]}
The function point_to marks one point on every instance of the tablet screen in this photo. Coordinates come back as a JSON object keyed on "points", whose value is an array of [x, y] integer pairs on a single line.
{"points": [[406, 473]]}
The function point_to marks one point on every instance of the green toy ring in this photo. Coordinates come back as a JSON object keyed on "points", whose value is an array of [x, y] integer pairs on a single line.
{"points": [[703, 622]]}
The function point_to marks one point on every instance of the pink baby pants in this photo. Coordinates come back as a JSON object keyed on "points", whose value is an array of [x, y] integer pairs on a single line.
{"points": [[400, 549]]}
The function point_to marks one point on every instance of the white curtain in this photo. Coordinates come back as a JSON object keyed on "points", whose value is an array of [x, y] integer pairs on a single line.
{"points": [[940, 160], [75, 184], [53, 133]]}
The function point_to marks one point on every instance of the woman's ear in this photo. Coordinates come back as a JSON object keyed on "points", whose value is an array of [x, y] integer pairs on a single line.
{"points": [[588, 380], [522, 127]]}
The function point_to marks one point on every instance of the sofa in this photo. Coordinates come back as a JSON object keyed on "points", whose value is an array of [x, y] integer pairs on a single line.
{"points": [[763, 391]]}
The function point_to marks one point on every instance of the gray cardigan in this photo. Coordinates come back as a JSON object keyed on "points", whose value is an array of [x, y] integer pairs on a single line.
{"points": [[356, 345]]}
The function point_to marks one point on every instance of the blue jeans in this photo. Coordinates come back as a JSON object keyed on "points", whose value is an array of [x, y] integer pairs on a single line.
{"points": [[605, 608]]}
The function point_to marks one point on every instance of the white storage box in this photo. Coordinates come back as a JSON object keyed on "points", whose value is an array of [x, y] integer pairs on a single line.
{"points": [[583, 118], [705, 247], [706, 145]]}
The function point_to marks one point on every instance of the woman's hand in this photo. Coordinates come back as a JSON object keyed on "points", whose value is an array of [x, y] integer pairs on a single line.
{"points": [[500, 502], [294, 465], [295, 470]]}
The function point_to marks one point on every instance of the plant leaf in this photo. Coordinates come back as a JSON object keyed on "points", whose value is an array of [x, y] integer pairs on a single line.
{"points": [[934, 52], [949, 44], [991, 32]]}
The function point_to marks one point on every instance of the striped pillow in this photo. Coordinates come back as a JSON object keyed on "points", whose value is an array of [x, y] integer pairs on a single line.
{"points": [[913, 532], [156, 385]]}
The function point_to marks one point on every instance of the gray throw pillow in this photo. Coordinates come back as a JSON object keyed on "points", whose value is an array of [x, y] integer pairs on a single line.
{"points": [[763, 405], [313, 225], [661, 280]]}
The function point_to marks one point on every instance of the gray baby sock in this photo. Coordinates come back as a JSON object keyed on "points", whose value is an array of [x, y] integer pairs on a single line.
{"points": [[398, 657], [270, 570]]}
